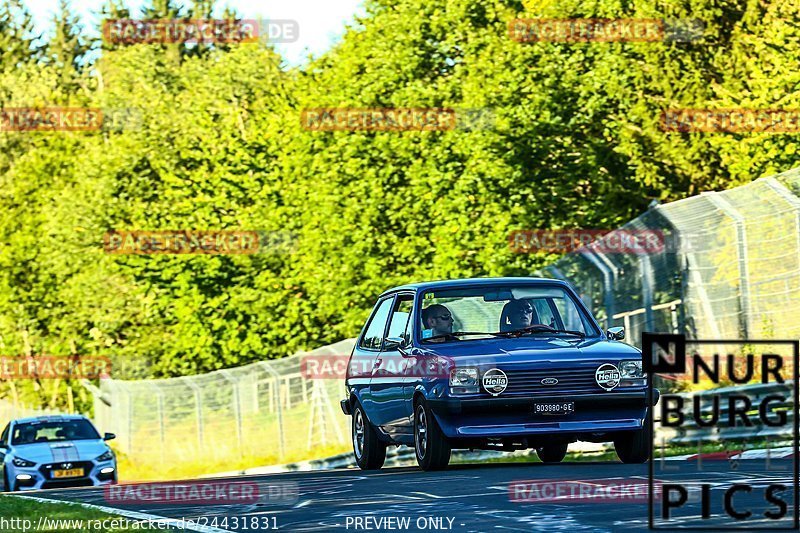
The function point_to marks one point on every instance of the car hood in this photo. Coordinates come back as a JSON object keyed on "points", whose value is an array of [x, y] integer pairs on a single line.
{"points": [[56, 452], [544, 351]]}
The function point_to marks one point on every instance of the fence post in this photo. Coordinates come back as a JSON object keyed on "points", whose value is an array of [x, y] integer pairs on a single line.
{"points": [[198, 403], [613, 269], [161, 428], [741, 250], [130, 422], [608, 284], [276, 390], [646, 268], [556, 272], [673, 315], [237, 408]]}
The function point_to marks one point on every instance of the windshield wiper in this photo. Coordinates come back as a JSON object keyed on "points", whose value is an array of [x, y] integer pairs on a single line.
{"points": [[457, 334], [540, 328]]}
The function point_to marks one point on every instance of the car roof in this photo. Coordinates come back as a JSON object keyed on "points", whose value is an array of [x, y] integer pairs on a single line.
{"points": [[454, 283], [49, 418]]}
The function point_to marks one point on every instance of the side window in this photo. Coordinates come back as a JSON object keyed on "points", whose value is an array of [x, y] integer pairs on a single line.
{"points": [[4, 436], [570, 316], [400, 326], [373, 336], [545, 313]]}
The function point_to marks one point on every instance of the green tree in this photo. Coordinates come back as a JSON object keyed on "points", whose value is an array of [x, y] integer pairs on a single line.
{"points": [[67, 48]]}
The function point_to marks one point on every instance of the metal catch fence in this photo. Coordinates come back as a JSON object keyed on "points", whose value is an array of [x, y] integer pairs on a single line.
{"points": [[729, 267], [268, 409]]}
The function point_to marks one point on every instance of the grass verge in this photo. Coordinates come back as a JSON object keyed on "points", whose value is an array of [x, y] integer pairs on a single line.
{"points": [[20, 514]]}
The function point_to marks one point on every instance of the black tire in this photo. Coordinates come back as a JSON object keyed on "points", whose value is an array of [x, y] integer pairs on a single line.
{"points": [[368, 450], [553, 453], [430, 445], [6, 484], [633, 447]]}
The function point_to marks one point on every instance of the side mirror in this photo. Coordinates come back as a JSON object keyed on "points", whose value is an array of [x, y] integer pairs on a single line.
{"points": [[616, 333], [109, 436], [3, 446], [394, 343]]}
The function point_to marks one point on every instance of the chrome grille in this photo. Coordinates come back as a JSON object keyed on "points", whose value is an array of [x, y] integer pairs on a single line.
{"points": [[574, 380]]}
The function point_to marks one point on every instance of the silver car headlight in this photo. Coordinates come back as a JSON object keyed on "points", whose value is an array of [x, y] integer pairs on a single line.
{"points": [[631, 374], [464, 380], [22, 463], [108, 456]]}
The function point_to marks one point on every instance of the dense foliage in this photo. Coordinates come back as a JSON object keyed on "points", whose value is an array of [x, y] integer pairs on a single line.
{"points": [[211, 138]]}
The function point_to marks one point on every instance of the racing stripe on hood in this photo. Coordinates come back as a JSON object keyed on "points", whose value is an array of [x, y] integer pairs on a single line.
{"points": [[64, 452]]}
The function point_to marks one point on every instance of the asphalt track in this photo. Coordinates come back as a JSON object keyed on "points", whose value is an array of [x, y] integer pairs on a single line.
{"points": [[475, 498]]}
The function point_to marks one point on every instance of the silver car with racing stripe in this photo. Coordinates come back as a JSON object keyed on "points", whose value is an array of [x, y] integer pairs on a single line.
{"points": [[54, 452]]}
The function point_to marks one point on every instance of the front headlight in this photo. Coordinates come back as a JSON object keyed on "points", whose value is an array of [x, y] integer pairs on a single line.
{"points": [[631, 374], [630, 369], [108, 456], [464, 380], [22, 463]]}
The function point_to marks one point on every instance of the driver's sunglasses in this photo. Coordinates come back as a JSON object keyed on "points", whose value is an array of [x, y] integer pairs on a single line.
{"points": [[444, 317]]}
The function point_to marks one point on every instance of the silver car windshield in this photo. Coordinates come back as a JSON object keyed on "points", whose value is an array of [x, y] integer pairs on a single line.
{"points": [[33, 432]]}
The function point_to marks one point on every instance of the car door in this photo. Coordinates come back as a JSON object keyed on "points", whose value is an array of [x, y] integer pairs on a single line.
{"points": [[388, 376], [366, 352]]}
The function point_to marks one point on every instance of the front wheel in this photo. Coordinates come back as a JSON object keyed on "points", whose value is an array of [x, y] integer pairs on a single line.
{"points": [[554, 453], [369, 451], [6, 484], [431, 446], [633, 446]]}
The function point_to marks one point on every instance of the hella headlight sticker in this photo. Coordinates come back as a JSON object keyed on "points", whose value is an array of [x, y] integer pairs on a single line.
{"points": [[607, 376], [495, 381]]}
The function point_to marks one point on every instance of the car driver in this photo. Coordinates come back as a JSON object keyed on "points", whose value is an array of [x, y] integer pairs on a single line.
{"points": [[437, 318]]}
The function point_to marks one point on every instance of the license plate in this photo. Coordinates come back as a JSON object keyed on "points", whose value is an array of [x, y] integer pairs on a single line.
{"points": [[560, 408], [75, 472]]}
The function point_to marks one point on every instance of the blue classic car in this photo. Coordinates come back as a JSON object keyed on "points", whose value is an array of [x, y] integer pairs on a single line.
{"points": [[492, 363]]}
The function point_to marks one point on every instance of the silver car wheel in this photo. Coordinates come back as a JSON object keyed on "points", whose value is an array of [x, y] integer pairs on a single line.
{"points": [[421, 432], [358, 433]]}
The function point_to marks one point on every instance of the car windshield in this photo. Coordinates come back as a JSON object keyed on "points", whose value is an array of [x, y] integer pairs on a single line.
{"points": [[52, 431], [491, 311]]}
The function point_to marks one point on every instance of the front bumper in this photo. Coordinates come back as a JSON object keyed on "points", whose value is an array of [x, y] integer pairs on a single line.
{"points": [[34, 478], [451, 405], [513, 416]]}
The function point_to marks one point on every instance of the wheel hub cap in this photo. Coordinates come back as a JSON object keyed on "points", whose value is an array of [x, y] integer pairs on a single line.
{"points": [[358, 434], [422, 431]]}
